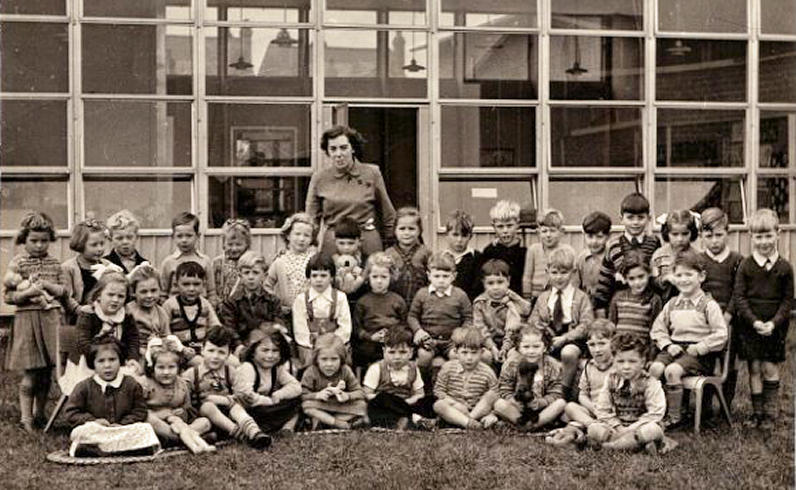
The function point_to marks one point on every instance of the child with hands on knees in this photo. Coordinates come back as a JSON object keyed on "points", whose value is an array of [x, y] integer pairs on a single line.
{"points": [[763, 301], [551, 229], [150, 318], [33, 282], [348, 259], [331, 394], [458, 233], [212, 386], [123, 228], [376, 311], [320, 309], [564, 312], [689, 331], [596, 232], [409, 254], [679, 229], [507, 246], [634, 309], [466, 387], [263, 382], [286, 276], [529, 385], [185, 234], [236, 239]]}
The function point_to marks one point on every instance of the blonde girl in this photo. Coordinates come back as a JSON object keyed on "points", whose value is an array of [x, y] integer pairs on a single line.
{"points": [[409, 253], [235, 241], [33, 282], [331, 394], [286, 276], [150, 318]]}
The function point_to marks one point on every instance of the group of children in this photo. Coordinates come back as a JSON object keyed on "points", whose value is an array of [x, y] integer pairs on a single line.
{"points": [[593, 346]]}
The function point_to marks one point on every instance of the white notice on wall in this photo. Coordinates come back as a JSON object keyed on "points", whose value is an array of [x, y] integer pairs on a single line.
{"points": [[484, 192]]}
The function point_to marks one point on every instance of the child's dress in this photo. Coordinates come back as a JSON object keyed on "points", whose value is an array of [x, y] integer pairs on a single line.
{"points": [[287, 276], [412, 270], [152, 322], [34, 336], [166, 401], [314, 381], [253, 385]]}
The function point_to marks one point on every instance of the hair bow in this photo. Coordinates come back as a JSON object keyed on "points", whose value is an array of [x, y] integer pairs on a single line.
{"points": [[138, 268], [100, 269], [156, 344]]}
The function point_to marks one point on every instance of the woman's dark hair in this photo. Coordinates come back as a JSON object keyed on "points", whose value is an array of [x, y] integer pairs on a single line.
{"points": [[320, 262], [276, 338], [104, 343], [356, 140]]}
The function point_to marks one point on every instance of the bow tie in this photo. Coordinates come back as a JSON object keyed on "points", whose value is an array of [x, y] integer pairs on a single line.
{"points": [[496, 304]]}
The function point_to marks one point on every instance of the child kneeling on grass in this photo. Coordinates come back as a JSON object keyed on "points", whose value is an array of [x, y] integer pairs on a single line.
{"points": [[631, 404], [331, 394], [466, 387], [394, 387], [212, 383]]}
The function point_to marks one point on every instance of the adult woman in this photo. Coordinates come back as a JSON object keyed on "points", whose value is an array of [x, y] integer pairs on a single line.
{"points": [[350, 188]]}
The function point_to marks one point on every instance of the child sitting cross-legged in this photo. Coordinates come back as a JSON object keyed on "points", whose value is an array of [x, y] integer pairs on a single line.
{"points": [[331, 394], [630, 406], [212, 383], [530, 383], [466, 387]]}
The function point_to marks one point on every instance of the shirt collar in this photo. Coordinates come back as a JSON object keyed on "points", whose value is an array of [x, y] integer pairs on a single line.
{"points": [[567, 292], [458, 257], [633, 239], [761, 259], [326, 293], [680, 300], [116, 382], [114, 319], [445, 292], [353, 171], [720, 257]]}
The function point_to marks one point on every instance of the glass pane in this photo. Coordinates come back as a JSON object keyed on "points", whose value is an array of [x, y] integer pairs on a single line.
{"points": [[692, 69], [698, 194], [249, 135], [376, 63], [137, 59], [702, 15], [139, 134], [21, 195], [617, 14], [394, 12], [33, 7], [773, 193], [777, 16], [696, 138], [149, 9], [34, 57], [480, 13], [775, 144], [596, 137], [154, 200], [488, 66], [477, 197], [265, 201], [33, 133], [567, 195], [596, 68], [488, 136], [259, 10], [246, 61], [777, 71]]}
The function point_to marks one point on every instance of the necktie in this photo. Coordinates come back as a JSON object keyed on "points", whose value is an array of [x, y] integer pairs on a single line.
{"points": [[624, 389], [558, 313]]}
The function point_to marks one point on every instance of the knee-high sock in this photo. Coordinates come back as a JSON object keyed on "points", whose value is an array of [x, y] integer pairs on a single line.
{"points": [[771, 399], [674, 402], [26, 392], [757, 404]]}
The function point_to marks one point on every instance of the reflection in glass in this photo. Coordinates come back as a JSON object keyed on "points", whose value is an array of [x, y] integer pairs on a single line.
{"points": [[777, 71], [479, 13], [488, 136], [33, 7], [33, 133], [265, 201], [148, 9], [702, 15], [775, 143], [376, 63], [488, 65], [693, 69], [698, 194], [776, 16], [252, 135], [697, 138], [137, 59], [259, 11], [598, 68], [596, 137], [154, 200], [577, 197], [34, 57], [246, 61], [137, 134], [773, 193], [614, 15], [21, 195], [404, 12], [476, 197]]}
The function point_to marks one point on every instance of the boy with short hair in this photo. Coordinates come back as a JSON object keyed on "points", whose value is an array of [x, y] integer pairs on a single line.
{"points": [[185, 234], [212, 383], [635, 216], [348, 259], [123, 228], [551, 229], [597, 231], [689, 331], [498, 312], [631, 404], [436, 310], [466, 387], [190, 314], [249, 304], [507, 245], [459, 231]]}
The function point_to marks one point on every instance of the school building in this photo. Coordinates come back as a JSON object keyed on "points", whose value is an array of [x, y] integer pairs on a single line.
{"points": [[217, 106]]}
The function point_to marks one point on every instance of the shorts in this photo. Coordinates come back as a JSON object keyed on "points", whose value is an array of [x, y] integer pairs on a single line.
{"points": [[440, 347], [699, 365]]}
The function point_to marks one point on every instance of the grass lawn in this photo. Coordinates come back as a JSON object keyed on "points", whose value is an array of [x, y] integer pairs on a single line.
{"points": [[737, 458]]}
